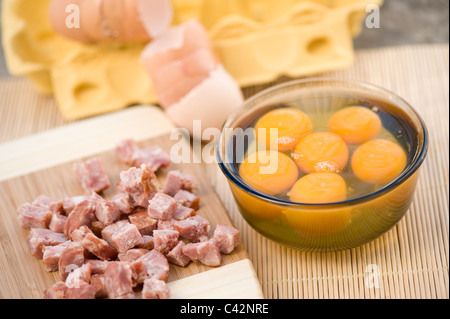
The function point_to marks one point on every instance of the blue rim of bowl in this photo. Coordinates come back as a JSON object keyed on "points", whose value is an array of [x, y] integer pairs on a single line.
{"points": [[411, 169]]}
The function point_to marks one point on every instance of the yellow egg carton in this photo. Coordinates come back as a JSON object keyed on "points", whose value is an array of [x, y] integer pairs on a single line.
{"points": [[256, 40], [260, 40]]}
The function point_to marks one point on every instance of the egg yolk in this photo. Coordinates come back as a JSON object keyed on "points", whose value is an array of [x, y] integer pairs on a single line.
{"points": [[291, 124], [270, 172], [319, 188], [355, 124], [321, 152], [378, 161]]}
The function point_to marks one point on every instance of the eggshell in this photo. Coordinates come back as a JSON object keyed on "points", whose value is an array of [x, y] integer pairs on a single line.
{"points": [[155, 15], [57, 15], [174, 44], [212, 101], [112, 20], [175, 79]]}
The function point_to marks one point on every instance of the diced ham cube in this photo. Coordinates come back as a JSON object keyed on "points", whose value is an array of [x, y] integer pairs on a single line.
{"points": [[156, 265], [144, 223], [57, 223], [106, 212], [125, 150], [99, 247], [205, 252], [166, 224], [79, 275], [140, 184], [139, 272], [127, 237], [98, 267], [152, 156], [187, 199], [70, 202], [155, 289], [226, 237], [52, 204], [71, 258], [177, 180], [109, 231], [51, 255], [38, 238], [98, 281], [82, 214], [193, 228], [92, 176], [32, 216], [81, 291], [123, 203], [78, 234], [118, 279], [177, 257], [132, 254], [183, 212], [97, 227], [162, 206], [165, 240], [148, 244], [57, 291]]}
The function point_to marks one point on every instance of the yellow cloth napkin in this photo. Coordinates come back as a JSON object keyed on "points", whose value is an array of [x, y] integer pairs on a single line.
{"points": [[256, 40]]}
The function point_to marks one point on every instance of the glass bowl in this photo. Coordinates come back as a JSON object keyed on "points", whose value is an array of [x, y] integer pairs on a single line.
{"points": [[334, 226]]}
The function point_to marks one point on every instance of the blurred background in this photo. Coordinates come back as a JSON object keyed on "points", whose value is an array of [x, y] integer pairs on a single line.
{"points": [[402, 22]]}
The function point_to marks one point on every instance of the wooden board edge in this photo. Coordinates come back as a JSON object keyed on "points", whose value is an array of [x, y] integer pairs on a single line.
{"points": [[80, 139], [234, 281]]}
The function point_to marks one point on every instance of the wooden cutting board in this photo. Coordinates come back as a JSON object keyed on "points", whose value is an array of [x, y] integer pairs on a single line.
{"points": [[43, 164]]}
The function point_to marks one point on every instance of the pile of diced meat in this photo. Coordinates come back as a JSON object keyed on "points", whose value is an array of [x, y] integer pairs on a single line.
{"points": [[121, 247]]}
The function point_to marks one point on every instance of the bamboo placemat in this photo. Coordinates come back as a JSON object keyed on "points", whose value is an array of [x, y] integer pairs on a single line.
{"points": [[412, 258]]}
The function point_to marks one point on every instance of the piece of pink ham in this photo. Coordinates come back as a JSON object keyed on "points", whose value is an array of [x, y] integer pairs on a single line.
{"points": [[51, 255], [226, 237], [78, 276], [205, 252], [56, 291], [155, 289], [126, 237], [70, 202], [57, 223], [152, 156], [98, 267], [162, 206], [118, 280], [106, 212], [193, 228], [98, 247], [144, 223], [81, 291], [39, 237], [183, 212], [148, 244], [32, 216], [71, 258], [177, 180], [98, 282], [177, 257], [109, 231], [82, 214], [165, 240], [155, 264], [78, 234], [139, 183], [123, 203], [92, 175], [132, 254], [52, 204], [125, 150], [187, 199]]}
